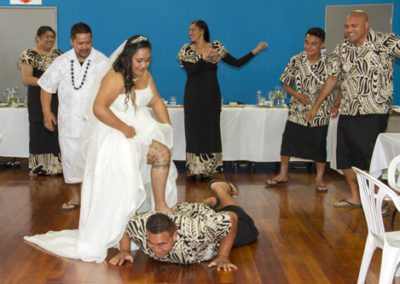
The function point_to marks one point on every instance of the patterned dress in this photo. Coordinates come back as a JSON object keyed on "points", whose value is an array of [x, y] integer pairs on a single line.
{"points": [[302, 139], [202, 105], [200, 229], [44, 150]]}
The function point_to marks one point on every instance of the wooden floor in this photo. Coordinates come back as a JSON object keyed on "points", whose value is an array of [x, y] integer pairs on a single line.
{"points": [[303, 238]]}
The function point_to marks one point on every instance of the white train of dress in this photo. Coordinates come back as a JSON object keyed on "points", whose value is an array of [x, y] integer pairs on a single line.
{"points": [[116, 182]]}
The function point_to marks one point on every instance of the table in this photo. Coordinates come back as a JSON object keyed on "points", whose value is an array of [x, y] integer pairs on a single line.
{"points": [[387, 147], [248, 133], [14, 132], [393, 127]]}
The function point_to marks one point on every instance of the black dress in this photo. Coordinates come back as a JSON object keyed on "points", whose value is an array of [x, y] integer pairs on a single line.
{"points": [[44, 150], [202, 107]]}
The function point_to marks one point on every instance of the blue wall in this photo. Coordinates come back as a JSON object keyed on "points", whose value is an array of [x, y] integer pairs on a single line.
{"points": [[239, 25]]}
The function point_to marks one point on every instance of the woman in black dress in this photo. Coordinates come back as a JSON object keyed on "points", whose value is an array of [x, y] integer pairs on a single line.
{"points": [[44, 150], [202, 100]]}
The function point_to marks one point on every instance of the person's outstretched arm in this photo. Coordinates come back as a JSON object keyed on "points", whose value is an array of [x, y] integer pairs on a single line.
{"points": [[238, 62], [124, 253], [222, 260]]}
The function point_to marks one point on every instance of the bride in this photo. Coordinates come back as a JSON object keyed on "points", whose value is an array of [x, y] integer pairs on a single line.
{"points": [[128, 164]]}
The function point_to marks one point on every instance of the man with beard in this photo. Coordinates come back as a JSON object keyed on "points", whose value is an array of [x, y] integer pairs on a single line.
{"points": [[74, 75], [362, 66]]}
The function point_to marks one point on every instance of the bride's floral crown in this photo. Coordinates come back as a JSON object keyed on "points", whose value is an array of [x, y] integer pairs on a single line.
{"points": [[139, 39]]}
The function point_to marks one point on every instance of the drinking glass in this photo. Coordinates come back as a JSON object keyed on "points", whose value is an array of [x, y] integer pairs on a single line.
{"points": [[6, 94], [271, 98], [172, 101]]}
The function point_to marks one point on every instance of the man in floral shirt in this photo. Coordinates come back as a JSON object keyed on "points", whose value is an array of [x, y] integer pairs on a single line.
{"points": [[303, 79], [192, 232], [362, 65]]}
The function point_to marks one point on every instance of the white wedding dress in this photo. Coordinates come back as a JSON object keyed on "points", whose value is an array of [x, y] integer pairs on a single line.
{"points": [[116, 182]]}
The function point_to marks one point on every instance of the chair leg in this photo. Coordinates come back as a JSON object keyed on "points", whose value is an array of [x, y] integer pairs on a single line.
{"points": [[397, 274], [367, 256], [390, 256], [393, 217]]}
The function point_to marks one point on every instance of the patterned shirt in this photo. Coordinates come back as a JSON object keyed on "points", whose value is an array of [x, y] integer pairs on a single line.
{"points": [[307, 79], [38, 61], [200, 229], [366, 73], [188, 54]]}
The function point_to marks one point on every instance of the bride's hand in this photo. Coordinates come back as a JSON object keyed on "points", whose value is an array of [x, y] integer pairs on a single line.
{"points": [[129, 131], [121, 257]]}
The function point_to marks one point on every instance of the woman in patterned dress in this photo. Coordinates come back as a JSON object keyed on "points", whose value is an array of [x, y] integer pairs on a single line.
{"points": [[306, 72], [44, 150], [202, 100]]}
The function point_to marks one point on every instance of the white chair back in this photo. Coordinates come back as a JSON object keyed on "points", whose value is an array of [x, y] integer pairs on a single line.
{"points": [[394, 173], [372, 193]]}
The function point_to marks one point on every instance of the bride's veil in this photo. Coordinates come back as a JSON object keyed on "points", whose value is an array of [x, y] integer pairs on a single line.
{"points": [[90, 119], [117, 52], [89, 115]]}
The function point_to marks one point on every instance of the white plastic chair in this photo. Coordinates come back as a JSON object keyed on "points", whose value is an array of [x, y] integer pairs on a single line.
{"points": [[394, 173], [372, 193]]}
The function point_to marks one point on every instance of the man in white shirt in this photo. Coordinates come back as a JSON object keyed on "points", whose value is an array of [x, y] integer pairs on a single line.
{"points": [[74, 75]]}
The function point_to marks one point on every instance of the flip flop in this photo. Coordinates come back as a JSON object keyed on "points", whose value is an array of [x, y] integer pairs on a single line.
{"points": [[233, 187], [343, 203], [321, 188], [272, 182], [71, 206]]}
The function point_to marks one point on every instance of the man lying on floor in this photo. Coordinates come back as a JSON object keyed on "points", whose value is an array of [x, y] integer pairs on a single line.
{"points": [[192, 232]]}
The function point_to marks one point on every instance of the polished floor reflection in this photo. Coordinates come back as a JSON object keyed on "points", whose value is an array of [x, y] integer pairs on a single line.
{"points": [[303, 238]]}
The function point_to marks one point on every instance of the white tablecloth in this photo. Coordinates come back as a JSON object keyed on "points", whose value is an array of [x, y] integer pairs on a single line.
{"points": [[14, 132], [248, 133], [387, 147]]}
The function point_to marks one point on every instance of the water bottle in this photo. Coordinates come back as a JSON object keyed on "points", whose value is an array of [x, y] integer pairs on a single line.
{"points": [[259, 96]]}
